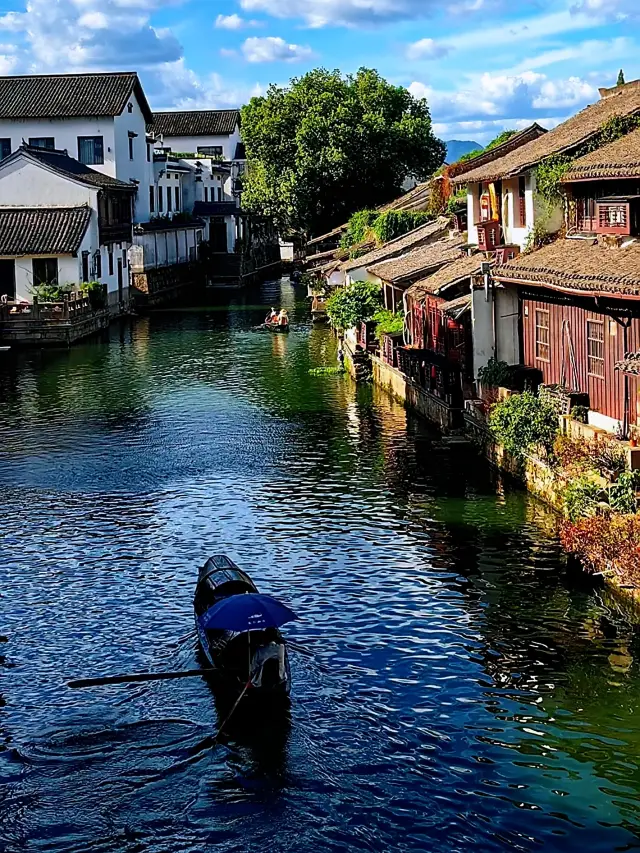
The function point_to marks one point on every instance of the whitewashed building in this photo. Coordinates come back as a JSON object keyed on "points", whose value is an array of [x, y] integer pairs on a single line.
{"points": [[98, 119], [62, 222]]}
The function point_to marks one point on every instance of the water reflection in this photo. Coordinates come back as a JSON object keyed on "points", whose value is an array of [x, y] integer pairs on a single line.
{"points": [[458, 691]]}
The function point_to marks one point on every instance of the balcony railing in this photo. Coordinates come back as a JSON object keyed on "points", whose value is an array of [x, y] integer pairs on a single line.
{"points": [[69, 309]]}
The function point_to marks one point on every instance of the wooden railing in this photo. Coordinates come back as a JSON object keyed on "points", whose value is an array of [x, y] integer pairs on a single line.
{"points": [[71, 308]]}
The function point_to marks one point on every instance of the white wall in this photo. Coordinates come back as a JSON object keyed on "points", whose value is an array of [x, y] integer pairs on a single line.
{"points": [[495, 326], [171, 246], [536, 211], [65, 133], [69, 269], [26, 184], [138, 169], [188, 144]]}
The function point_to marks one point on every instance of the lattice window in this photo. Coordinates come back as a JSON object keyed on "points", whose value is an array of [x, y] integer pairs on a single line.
{"points": [[595, 348], [543, 348]]}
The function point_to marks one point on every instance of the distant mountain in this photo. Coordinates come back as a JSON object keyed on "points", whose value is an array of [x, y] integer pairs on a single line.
{"points": [[456, 148]]}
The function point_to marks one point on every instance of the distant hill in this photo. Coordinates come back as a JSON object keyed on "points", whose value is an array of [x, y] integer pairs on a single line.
{"points": [[456, 148]]}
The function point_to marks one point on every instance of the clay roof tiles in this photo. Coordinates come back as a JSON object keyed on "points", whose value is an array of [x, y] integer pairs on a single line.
{"points": [[578, 265], [488, 156], [566, 137], [619, 159], [419, 260], [195, 122], [448, 275], [69, 95], [42, 231], [401, 245]]}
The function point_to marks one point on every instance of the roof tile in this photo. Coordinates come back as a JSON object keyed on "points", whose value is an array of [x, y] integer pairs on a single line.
{"points": [[578, 265], [419, 260], [42, 231], [69, 95], [566, 137], [196, 122]]}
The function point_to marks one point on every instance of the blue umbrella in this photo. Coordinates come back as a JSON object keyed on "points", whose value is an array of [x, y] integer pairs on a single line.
{"points": [[248, 611]]}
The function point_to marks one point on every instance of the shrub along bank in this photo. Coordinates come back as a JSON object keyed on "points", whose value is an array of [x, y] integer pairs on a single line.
{"points": [[601, 518]]}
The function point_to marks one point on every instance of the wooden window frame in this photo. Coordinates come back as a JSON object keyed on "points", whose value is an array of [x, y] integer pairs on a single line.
{"points": [[538, 342], [590, 355]]}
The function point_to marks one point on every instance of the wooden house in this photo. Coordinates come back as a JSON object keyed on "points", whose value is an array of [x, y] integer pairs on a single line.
{"points": [[437, 351], [579, 316], [503, 205], [397, 274]]}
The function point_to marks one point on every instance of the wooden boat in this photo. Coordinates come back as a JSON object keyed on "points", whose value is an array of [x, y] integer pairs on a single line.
{"points": [[230, 652], [277, 327]]}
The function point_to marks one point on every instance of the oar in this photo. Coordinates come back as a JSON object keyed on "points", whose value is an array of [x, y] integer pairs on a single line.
{"points": [[133, 677]]}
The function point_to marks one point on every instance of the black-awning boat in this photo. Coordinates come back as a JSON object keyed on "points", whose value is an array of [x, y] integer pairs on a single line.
{"points": [[238, 656]]}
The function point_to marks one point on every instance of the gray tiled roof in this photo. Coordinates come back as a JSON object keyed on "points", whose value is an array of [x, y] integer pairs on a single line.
{"points": [[61, 162], [68, 95], [42, 230], [196, 122]]}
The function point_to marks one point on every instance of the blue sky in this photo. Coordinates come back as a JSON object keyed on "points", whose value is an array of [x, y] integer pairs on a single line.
{"points": [[483, 65]]}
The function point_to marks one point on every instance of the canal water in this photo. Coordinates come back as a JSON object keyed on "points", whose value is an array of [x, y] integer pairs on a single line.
{"points": [[454, 689]]}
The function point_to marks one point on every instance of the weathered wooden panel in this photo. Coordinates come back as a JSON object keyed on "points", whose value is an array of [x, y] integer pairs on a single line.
{"points": [[568, 354]]}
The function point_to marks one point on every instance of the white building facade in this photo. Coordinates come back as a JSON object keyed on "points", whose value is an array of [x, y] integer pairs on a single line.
{"points": [[75, 223]]}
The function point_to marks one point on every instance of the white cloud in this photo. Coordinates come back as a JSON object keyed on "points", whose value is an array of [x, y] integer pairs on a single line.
{"points": [[7, 63], [174, 85], [233, 22], [272, 49], [502, 97], [320, 13], [427, 49], [590, 53], [609, 9], [13, 21], [83, 35]]}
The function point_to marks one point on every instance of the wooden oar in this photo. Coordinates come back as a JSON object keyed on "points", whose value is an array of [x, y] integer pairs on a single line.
{"points": [[139, 676]]}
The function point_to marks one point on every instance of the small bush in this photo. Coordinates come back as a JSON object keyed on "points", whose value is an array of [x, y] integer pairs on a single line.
{"points": [[523, 422], [606, 544], [609, 457], [580, 414], [495, 374], [387, 323], [583, 498], [622, 494], [571, 454], [353, 304]]}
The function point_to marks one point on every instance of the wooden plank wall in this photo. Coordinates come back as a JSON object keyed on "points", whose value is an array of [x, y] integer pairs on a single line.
{"points": [[606, 395]]}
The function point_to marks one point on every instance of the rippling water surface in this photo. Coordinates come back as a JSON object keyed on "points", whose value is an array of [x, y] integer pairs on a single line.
{"points": [[455, 692]]}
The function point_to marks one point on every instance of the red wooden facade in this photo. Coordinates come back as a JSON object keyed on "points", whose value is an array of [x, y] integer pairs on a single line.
{"points": [[576, 344], [432, 330]]}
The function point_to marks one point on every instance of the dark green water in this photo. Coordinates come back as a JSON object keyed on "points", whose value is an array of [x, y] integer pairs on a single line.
{"points": [[460, 693]]}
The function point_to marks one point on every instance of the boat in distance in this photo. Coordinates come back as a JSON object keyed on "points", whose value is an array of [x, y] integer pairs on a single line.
{"points": [[239, 637]]}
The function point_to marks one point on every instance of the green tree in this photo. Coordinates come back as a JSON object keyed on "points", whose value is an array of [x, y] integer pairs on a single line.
{"points": [[327, 145], [620, 78], [350, 305]]}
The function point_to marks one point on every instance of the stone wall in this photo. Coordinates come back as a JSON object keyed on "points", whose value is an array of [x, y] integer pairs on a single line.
{"points": [[163, 285], [406, 391], [53, 332]]}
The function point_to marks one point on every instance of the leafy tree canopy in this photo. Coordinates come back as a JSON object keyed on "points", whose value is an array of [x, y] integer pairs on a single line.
{"points": [[328, 145], [353, 304]]}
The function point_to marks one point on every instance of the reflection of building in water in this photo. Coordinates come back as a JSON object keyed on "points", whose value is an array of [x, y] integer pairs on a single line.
{"points": [[141, 339]]}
